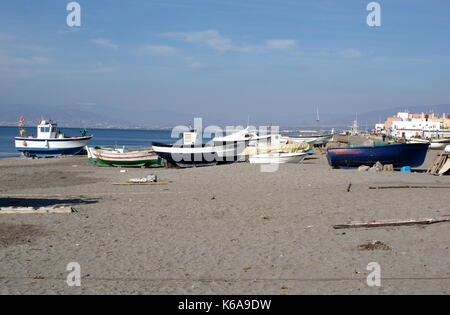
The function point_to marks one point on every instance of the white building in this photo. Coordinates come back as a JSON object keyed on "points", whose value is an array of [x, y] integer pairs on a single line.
{"points": [[380, 129], [410, 128]]}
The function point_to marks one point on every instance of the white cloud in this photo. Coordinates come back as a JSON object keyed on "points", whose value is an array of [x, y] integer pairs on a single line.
{"points": [[159, 50], [104, 42], [95, 70], [216, 41], [202, 67], [281, 44], [8, 60], [210, 38], [351, 53]]}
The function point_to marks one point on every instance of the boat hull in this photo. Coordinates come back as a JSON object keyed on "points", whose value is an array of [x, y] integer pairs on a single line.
{"points": [[399, 155], [50, 147], [200, 155], [186, 155], [101, 157], [277, 158]]}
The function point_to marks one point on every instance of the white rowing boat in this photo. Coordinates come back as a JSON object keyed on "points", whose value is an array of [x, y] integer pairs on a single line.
{"points": [[277, 158]]}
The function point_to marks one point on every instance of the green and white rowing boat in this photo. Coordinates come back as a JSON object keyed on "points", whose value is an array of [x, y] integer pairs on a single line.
{"points": [[122, 157]]}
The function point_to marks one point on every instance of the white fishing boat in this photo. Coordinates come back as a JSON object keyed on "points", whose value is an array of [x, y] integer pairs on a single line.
{"points": [[277, 158], [123, 157], [277, 153], [435, 144], [50, 141], [190, 151], [187, 152], [230, 147], [312, 140]]}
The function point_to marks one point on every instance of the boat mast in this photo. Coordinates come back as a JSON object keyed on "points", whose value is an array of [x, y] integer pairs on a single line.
{"points": [[318, 120]]}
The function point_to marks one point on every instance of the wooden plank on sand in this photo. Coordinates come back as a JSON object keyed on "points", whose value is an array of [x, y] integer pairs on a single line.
{"points": [[40, 210], [409, 186], [383, 223]]}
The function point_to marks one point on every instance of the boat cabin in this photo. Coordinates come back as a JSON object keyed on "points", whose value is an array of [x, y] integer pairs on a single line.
{"points": [[191, 137], [48, 130]]}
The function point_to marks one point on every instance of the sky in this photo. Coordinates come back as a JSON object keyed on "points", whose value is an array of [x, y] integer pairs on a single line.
{"points": [[225, 59]]}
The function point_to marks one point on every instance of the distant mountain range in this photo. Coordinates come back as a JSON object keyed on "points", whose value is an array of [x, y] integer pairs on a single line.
{"points": [[91, 116], [110, 117]]}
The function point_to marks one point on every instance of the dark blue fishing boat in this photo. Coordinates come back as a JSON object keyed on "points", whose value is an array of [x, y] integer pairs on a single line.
{"points": [[408, 154]]}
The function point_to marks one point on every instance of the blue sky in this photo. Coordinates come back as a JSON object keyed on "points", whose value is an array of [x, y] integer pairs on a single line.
{"points": [[226, 58]]}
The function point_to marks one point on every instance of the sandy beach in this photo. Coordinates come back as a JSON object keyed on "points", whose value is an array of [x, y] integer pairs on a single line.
{"points": [[228, 229]]}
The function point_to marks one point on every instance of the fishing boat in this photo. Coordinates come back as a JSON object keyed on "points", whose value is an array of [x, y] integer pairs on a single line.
{"points": [[190, 151], [187, 152], [313, 139], [435, 143], [277, 153], [277, 158], [399, 155], [230, 148], [50, 142], [123, 157]]}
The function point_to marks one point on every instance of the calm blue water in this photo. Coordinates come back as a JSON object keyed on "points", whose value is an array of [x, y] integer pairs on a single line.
{"points": [[102, 137]]}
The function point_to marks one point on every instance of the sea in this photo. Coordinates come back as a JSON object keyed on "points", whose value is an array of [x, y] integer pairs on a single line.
{"points": [[131, 138]]}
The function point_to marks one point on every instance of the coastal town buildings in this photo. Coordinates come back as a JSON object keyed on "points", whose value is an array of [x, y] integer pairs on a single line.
{"points": [[407, 125]]}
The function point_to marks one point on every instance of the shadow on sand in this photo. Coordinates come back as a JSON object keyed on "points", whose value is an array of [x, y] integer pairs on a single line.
{"points": [[38, 202]]}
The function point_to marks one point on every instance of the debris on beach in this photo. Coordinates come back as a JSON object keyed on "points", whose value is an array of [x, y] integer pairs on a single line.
{"points": [[409, 187], [151, 179], [349, 187], [377, 167], [384, 223], [388, 168], [374, 245], [363, 168]]}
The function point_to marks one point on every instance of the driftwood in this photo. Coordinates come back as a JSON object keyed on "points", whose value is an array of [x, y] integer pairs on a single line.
{"points": [[409, 186], [349, 187], [38, 210], [383, 223]]}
